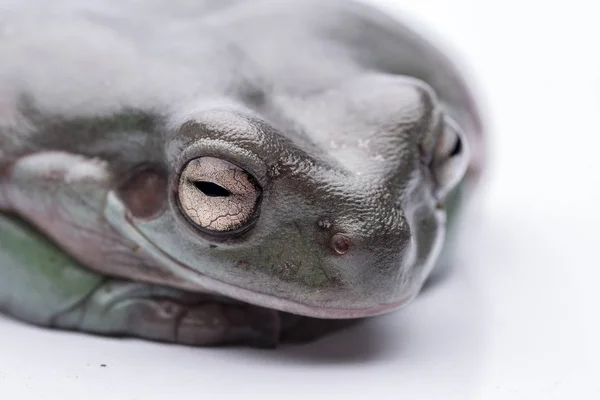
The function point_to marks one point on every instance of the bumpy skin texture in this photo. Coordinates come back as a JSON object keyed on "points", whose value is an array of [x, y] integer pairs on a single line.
{"points": [[333, 108]]}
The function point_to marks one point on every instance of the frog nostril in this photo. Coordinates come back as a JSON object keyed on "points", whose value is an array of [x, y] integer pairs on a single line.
{"points": [[341, 243]]}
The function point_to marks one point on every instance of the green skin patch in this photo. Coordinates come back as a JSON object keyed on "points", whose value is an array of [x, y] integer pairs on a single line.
{"points": [[38, 278]]}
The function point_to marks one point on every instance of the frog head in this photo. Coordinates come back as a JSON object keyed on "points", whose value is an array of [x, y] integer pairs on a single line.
{"points": [[327, 205]]}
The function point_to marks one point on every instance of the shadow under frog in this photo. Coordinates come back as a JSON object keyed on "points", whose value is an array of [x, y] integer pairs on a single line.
{"points": [[259, 174]]}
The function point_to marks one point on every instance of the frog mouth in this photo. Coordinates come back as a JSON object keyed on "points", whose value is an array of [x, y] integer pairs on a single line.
{"points": [[116, 214]]}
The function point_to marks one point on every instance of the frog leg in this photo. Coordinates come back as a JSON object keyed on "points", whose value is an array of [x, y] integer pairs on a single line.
{"points": [[43, 285]]}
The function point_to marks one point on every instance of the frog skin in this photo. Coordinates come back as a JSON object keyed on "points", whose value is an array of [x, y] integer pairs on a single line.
{"points": [[224, 172]]}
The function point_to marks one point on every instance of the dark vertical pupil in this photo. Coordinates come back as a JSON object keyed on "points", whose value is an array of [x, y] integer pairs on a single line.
{"points": [[212, 189]]}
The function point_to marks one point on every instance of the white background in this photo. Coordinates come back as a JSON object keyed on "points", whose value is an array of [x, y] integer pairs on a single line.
{"points": [[517, 319]]}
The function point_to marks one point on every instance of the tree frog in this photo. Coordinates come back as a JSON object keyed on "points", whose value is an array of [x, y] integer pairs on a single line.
{"points": [[224, 172]]}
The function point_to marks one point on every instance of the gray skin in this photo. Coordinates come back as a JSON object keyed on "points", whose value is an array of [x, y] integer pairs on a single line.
{"points": [[340, 115]]}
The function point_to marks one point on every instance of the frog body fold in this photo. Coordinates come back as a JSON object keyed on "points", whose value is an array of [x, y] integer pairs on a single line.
{"points": [[240, 172]]}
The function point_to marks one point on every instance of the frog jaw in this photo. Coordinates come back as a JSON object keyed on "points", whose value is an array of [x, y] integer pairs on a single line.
{"points": [[116, 214]]}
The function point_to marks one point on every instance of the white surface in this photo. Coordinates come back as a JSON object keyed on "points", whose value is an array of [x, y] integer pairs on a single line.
{"points": [[517, 320]]}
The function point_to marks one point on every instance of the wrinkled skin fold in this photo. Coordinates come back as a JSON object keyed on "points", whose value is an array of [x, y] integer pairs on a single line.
{"points": [[239, 172]]}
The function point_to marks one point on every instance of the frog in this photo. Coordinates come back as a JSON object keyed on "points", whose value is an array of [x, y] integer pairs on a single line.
{"points": [[225, 173]]}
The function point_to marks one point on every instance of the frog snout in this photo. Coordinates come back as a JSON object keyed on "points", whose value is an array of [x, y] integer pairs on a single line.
{"points": [[372, 261]]}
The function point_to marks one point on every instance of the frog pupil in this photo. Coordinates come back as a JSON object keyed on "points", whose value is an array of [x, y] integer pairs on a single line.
{"points": [[212, 189]]}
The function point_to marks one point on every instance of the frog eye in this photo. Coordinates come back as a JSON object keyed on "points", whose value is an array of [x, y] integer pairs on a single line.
{"points": [[217, 195], [450, 158]]}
